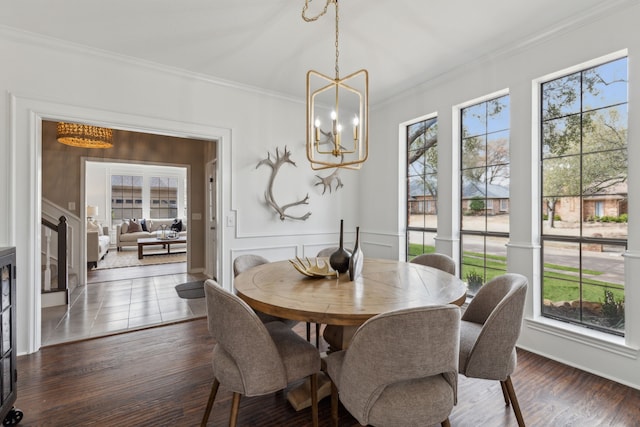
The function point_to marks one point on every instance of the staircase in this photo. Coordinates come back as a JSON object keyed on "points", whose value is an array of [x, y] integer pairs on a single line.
{"points": [[56, 296], [55, 271]]}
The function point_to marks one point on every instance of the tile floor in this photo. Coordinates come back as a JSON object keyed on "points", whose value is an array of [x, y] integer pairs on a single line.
{"points": [[115, 306]]}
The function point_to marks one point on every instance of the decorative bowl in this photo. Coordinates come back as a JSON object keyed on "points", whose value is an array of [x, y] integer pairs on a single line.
{"points": [[318, 268]]}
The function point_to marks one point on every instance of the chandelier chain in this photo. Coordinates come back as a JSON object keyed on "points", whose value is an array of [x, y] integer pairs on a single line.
{"points": [[305, 8], [337, 35], [315, 18]]}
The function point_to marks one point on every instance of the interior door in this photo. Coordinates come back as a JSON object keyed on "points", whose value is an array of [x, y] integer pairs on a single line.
{"points": [[212, 224]]}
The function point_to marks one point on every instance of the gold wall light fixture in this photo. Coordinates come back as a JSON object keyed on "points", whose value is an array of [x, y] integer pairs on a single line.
{"points": [[84, 136], [342, 106]]}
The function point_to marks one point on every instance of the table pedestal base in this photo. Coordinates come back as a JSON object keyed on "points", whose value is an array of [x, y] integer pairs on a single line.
{"points": [[300, 397], [338, 337]]}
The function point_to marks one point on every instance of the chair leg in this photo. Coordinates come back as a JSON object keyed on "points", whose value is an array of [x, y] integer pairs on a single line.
{"points": [[212, 398], [314, 399], [235, 407], [317, 335], [446, 423], [334, 404], [514, 401], [504, 393], [308, 331]]}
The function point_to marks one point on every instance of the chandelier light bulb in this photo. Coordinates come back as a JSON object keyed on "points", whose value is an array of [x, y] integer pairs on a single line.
{"points": [[317, 130]]}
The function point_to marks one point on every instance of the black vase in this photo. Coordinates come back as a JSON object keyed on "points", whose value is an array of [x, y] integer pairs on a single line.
{"points": [[339, 260]]}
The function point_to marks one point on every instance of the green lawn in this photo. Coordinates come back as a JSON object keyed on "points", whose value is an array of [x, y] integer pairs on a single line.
{"points": [[561, 282]]}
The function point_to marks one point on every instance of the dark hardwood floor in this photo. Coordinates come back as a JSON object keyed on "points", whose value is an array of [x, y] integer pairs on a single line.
{"points": [[162, 376]]}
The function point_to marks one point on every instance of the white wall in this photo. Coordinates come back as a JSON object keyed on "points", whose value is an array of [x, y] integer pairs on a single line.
{"points": [[46, 79], [607, 356]]}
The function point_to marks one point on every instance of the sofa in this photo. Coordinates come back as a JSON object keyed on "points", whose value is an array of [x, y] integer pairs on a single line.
{"points": [[128, 233], [97, 243]]}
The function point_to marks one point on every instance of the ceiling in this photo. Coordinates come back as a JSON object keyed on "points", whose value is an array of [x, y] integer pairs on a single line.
{"points": [[266, 43]]}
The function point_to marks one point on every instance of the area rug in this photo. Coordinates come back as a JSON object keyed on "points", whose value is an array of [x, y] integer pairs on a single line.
{"points": [[129, 258], [191, 290]]}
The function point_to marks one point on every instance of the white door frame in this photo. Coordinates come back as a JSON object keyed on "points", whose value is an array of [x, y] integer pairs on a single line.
{"points": [[25, 190], [211, 221]]}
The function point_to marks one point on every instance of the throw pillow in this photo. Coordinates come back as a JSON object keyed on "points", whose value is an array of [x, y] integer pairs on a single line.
{"points": [[124, 227], [143, 224], [93, 226], [134, 226], [177, 225]]}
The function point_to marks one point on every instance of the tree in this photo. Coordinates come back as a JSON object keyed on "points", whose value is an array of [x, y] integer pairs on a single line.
{"points": [[584, 134], [423, 155], [476, 205]]}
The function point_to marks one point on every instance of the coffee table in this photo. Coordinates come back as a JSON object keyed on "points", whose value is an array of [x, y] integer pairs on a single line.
{"points": [[154, 241]]}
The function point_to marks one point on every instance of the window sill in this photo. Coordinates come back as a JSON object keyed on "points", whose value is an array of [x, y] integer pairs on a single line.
{"points": [[596, 339]]}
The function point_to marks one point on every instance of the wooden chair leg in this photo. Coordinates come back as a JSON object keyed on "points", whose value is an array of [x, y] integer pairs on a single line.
{"points": [[504, 393], [308, 331], [212, 398], [514, 401], [334, 404], [235, 407], [317, 335], [446, 423], [314, 399]]}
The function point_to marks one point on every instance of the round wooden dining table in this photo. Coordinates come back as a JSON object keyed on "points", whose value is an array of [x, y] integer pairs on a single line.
{"points": [[277, 288]]}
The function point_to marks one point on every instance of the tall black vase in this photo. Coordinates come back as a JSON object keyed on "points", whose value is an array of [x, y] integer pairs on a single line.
{"points": [[339, 260]]}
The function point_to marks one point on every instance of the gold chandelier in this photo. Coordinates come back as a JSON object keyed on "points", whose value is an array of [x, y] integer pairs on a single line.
{"points": [[85, 136], [342, 105]]}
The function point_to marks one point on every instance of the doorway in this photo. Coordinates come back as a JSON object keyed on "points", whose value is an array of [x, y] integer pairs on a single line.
{"points": [[155, 195], [90, 184]]}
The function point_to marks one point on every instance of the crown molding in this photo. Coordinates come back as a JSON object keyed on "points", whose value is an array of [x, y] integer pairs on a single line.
{"points": [[39, 40]]}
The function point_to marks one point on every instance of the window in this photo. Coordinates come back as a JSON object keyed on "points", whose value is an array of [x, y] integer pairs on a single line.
{"points": [[153, 192], [484, 230], [126, 197], [584, 196], [422, 186], [164, 197]]}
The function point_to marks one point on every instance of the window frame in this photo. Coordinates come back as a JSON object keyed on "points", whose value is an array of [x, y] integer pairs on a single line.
{"points": [[565, 239], [465, 203], [423, 205]]}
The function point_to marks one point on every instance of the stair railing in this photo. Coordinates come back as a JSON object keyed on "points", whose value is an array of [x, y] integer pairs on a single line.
{"points": [[63, 271]]}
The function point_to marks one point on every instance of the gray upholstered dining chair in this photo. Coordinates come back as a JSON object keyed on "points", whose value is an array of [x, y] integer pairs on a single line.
{"points": [[440, 261], [243, 263], [252, 358], [489, 330], [401, 368]]}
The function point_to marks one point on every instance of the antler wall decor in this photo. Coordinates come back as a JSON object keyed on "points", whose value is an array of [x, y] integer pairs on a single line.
{"points": [[327, 180], [268, 195], [335, 175]]}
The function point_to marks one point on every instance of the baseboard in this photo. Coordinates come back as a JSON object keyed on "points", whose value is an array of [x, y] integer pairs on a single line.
{"points": [[54, 298]]}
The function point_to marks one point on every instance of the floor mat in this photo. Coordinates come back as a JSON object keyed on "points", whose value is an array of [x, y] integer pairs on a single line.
{"points": [[191, 290]]}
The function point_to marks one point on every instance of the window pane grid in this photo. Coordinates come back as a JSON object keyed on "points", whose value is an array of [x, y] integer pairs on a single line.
{"points": [[422, 187], [484, 167], [584, 196], [126, 197]]}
